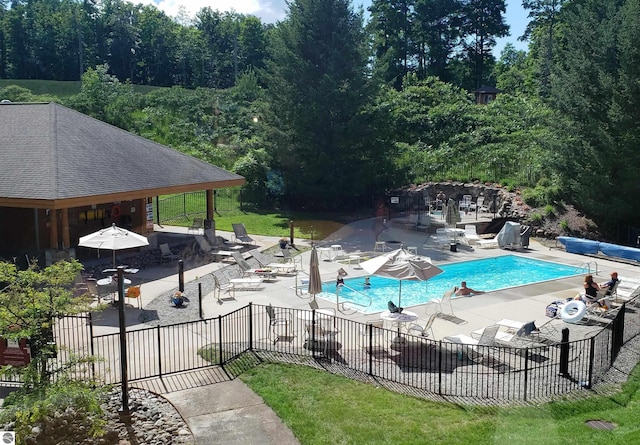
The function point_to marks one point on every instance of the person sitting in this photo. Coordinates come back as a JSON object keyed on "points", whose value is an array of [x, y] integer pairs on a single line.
{"points": [[591, 289], [609, 285], [465, 291]]}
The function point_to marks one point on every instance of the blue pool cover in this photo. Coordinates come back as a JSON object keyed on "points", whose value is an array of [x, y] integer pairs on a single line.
{"points": [[585, 246]]}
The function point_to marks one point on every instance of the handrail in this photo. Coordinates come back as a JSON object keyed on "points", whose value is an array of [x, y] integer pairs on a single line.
{"points": [[587, 265], [341, 305]]}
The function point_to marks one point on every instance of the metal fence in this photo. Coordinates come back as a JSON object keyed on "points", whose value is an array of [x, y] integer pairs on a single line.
{"points": [[354, 349], [186, 206]]}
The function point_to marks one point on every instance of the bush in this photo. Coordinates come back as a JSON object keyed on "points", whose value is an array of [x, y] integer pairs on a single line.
{"points": [[564, 225], [536, 219], [67, 409], [549, 210]]}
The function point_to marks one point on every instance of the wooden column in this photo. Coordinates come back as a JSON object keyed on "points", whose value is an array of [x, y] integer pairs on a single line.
{"points": [[53, 229], [209, 204], [65, 229]]}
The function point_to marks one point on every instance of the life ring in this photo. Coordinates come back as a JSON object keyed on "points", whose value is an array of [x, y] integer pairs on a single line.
{"points": [[573, 311], [115, 211]]}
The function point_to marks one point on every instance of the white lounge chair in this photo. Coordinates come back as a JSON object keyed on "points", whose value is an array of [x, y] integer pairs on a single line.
{"points": [[423, 331], [248, 271], [470, 344], [471, 234], [442, 302]]}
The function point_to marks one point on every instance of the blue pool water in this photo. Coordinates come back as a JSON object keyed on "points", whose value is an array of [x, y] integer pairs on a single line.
{"points": [[486, 274]]}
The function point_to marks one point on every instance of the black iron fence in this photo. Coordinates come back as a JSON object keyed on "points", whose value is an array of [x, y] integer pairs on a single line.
{"points": [[498, 373], [185, 206]]}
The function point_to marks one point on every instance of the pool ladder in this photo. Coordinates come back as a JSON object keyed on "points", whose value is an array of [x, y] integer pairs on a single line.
{"points": [[588, 267]]}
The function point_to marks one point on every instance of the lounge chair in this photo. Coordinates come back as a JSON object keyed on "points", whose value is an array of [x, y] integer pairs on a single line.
{"points": [[441, 238], [423, 331], [290, 259], [518, 334], [248, 271], [268, 262], [206, 248], [471, 345], [442, 302], [196, 225], [240, 234], [166, 253], [491, 243], [471, 234]]}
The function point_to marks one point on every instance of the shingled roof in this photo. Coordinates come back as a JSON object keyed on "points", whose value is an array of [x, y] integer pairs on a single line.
{"points": [[54, 157]]}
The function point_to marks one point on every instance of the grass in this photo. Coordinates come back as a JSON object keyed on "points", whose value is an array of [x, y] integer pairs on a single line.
{"points": [[59, 88], [322, 408], [306, 225]]}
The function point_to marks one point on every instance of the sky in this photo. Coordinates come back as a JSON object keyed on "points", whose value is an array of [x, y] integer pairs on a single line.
{"points": [[270, 11]]}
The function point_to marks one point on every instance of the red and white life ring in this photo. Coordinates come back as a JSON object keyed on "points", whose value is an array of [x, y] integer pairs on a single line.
{"points": [[115, 211], [573, 311]]}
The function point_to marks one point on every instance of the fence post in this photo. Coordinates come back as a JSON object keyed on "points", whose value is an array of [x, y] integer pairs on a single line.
{"points": [[91, 346], [159, 338], [564, 353], [250, 326], [370, 339], [617, 339], [220, 339], [526, 373], [200, 301], [291, 233], [440, 368], [181, 275]]}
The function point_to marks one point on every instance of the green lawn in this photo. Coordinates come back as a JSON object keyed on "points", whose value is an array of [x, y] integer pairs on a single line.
{"points": [[59, 88], [322, 408]]}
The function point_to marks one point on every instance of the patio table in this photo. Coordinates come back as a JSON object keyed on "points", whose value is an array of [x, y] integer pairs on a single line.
{"points": [[398, 320]]}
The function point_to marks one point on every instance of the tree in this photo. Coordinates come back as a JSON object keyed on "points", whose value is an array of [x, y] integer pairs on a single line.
{"points": [[595, 85], [391, 27], [317, 89], [30, 302], [544, 16], [483, 22]]}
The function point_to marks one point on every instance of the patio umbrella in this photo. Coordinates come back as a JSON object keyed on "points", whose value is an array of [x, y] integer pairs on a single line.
{"points": [[315, 283], [453, 213], [401, 265], [113, 238]]}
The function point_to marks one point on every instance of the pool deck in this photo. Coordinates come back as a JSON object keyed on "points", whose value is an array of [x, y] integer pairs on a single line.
{"points": [[524, 303]]}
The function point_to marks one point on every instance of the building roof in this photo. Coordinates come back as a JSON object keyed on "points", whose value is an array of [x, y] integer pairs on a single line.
{"points": [[55, 157], [487, 90]]}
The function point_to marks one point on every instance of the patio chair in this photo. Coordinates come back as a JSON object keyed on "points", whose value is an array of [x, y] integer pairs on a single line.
{"points": [[320, 338], [288, 258], [196, 225], [240, 234], [166, 253], [218, 288], [371, 338], [313, 304], [442, 302], [422, 331], [92, 288], [279, 325], [134, 292]]}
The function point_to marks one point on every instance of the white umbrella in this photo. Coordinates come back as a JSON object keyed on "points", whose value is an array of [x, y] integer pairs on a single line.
{"points": [[113, 238], [401, 265]]}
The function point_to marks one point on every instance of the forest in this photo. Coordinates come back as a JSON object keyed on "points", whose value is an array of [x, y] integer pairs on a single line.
{"points": [[327, 111]]}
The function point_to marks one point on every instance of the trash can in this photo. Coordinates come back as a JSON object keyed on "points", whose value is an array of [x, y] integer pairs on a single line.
{"points": [[453, 247]]}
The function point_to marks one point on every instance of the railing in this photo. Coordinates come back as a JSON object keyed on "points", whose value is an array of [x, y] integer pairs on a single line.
{"points": [[353, 349], [351, 306], [587, 266]]}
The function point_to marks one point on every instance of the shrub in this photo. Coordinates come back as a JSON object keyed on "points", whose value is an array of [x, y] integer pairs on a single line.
{"points": [[76, 402], [564, 225], [536, 219], [549, 210]]}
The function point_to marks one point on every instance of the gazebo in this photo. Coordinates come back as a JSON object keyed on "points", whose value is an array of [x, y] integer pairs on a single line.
{"points": [[64, 174]]}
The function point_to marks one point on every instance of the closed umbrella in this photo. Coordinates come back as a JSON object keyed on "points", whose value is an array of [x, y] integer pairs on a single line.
{"points": [[113, 238], [453, 213], [401, 265], [315, 283]]}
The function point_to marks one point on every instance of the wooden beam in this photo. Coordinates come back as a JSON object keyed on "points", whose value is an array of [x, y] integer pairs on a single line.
{"points": [[53, 229], [65, 229]]}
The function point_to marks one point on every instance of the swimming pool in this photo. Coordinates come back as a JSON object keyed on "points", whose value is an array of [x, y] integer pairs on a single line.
{"points": [[485, 274]]}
